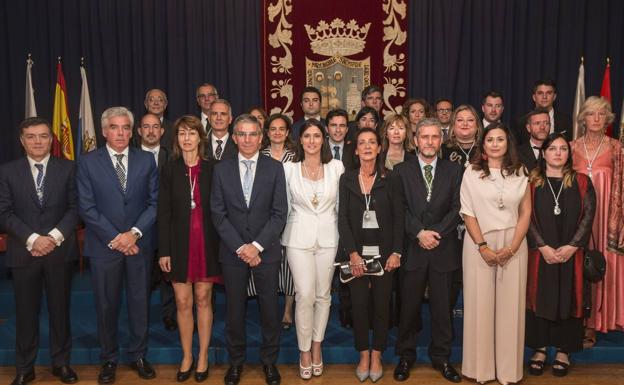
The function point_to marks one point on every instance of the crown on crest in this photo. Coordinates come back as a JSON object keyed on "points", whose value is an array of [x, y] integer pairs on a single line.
{"points": [[337, 38]]}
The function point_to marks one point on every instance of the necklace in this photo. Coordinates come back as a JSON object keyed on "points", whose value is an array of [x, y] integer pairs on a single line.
{"points": [[499, 201], [590, 163], [467, 154], [367, 195], [192, 185], [556, 210], [315, 197]]}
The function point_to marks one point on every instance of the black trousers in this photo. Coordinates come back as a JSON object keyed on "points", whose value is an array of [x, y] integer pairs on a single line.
{"points": [[362, 289], [29, 282], [413, 285], [107, 275], [565, 334], [235, 278]]}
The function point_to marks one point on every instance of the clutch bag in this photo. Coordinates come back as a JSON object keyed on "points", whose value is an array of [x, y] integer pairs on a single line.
{"points": [[373, 267]]}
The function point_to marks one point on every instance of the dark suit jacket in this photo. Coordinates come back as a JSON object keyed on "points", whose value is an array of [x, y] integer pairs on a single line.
{"points": [[348, 157], [21, 214], [167, 139], [526, 155], [407, 157], [174, 218], [388, 209], [106, 210], [163, 157], [441, 214], [563, 124], [264, 219], [230, 150]]}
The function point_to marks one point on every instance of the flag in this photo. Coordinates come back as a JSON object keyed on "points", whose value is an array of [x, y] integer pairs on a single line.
{"points": [[30, 109], [579, 99], [605, 92], [63, 144], [86, 128]]}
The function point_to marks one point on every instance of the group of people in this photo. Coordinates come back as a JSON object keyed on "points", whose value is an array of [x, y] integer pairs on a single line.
{"points": [[441, 203]]}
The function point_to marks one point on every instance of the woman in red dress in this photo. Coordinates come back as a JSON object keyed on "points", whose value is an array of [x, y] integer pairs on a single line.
{"points": [[188, 242]]}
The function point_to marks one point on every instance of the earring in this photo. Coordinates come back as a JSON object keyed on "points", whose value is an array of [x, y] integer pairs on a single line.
{"points": [[484, 156]]}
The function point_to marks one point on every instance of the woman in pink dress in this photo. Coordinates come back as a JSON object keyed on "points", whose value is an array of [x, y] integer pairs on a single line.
{"points": [[188, 242], [602, 159]]}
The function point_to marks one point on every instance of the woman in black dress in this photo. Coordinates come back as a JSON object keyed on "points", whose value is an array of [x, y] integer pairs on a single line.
{"points": [[465, 132], [187, 240], [370, 222], [564, 204]]}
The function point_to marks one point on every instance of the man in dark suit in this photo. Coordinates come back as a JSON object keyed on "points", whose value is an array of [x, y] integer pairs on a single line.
{"points": [[206, 94], [150, 132], [249, 209], [544, 96], [430, 188], [538, 128], [39, 211], [118, 193], [220, 145], [337, 127], [311, 106], [156, 103]]}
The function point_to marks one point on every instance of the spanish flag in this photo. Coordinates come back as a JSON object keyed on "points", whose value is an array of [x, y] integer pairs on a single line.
{"points": [[63, 144]]}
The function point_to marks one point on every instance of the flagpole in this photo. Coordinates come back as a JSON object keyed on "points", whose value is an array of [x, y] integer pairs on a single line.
{"points": [[30, 108]]}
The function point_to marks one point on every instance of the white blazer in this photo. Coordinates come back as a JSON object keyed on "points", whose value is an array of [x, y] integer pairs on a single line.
{"points": [[307, 225]]}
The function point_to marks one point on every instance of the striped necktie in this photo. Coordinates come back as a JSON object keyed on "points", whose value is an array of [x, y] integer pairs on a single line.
{"points": [[121, 171]]}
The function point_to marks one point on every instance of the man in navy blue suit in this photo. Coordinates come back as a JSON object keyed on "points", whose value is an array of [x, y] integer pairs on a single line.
{"points": [[39, 210], [118, 192], [249, 208]]}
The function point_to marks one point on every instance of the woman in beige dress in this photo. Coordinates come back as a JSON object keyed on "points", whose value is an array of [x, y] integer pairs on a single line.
{"points": [[496, 208]]}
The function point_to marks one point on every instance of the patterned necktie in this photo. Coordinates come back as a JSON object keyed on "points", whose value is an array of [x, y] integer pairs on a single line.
{"points": [[219, 150], [247, 180], [39, 183], [428, 174], [121, 172], [337, 152]]}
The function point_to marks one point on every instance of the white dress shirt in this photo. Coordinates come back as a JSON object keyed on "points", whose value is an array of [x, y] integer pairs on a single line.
{"points": [[333, 144], [204, 120], [54, 233], [214, 139], [551, 115]]}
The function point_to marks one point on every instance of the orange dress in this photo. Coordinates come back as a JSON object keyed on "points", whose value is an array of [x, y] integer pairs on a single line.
{"points": [[607, 296]]}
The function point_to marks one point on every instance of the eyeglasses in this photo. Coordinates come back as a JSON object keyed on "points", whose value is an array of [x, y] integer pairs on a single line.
{"points": [[253, 134], [153, 100], [207, 96], [444, 110]]}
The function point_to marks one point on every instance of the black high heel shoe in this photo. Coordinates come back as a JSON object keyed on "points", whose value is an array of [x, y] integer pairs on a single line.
{"points": [[560, 368], [536, 367], [183, 376], [202, 376]]}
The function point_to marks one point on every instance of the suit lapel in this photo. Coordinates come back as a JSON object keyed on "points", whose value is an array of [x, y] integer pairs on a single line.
{"points": [[238, 182], [106, 164], [437, 178], [32, 189], [256, 182], [49, 180], [132, 170]]}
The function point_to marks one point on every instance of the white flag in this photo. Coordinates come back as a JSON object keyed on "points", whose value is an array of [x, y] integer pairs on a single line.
{"points": [[30, 109], [579, 99], [86, 129]]}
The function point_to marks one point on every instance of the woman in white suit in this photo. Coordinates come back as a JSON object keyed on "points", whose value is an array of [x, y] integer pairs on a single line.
{"points": [[311, 239]]}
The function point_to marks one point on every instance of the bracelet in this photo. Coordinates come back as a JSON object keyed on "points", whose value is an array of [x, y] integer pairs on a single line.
{"points": [[483, 249], [511, 251]]}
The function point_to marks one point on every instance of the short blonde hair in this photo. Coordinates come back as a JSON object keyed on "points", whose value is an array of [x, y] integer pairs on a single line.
{"points": [[593, 104], [452, 140], [408, 143]]}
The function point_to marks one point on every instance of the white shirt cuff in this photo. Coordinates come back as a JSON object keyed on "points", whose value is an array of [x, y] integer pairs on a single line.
{"points": [[31, 241], [138, 231], [260, 248], [57, 235]]}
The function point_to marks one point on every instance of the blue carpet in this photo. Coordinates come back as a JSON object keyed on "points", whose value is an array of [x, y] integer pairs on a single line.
{"points": [[164, 346]]}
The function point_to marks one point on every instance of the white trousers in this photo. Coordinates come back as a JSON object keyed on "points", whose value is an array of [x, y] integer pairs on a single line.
{"points": [[312, 270]]}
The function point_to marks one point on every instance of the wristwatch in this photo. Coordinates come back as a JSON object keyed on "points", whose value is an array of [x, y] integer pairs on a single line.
{"points": [[480, 244], [136, 234]]}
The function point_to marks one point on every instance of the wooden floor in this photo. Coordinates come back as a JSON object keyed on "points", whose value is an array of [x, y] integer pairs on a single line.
{"points": [[334, 374]]}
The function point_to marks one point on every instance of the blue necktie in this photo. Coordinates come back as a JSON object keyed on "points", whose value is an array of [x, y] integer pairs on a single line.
{"points": [[39, 184], [247, 180]]}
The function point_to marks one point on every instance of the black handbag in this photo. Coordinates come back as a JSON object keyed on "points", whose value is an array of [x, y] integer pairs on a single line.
{"points": [[373, 267], [594, 265]]}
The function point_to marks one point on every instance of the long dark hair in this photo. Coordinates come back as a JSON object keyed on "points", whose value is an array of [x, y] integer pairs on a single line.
{"points": [[266, 142], [511, 163], [191, 122], [326, 155], [380, 169], [538, 174]]}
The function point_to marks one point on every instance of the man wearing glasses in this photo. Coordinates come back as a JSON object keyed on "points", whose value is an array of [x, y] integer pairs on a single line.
{"points": [[249, 214], [156, 104], [444, 109], [207, 94], [220, 145]]}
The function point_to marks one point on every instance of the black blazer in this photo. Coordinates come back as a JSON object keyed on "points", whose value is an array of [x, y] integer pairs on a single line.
{"points": [[21, 214], [563, 124], [441, 214], [230, 150], [163, 157], [388, 208], [174, 218], [526, 155]]}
